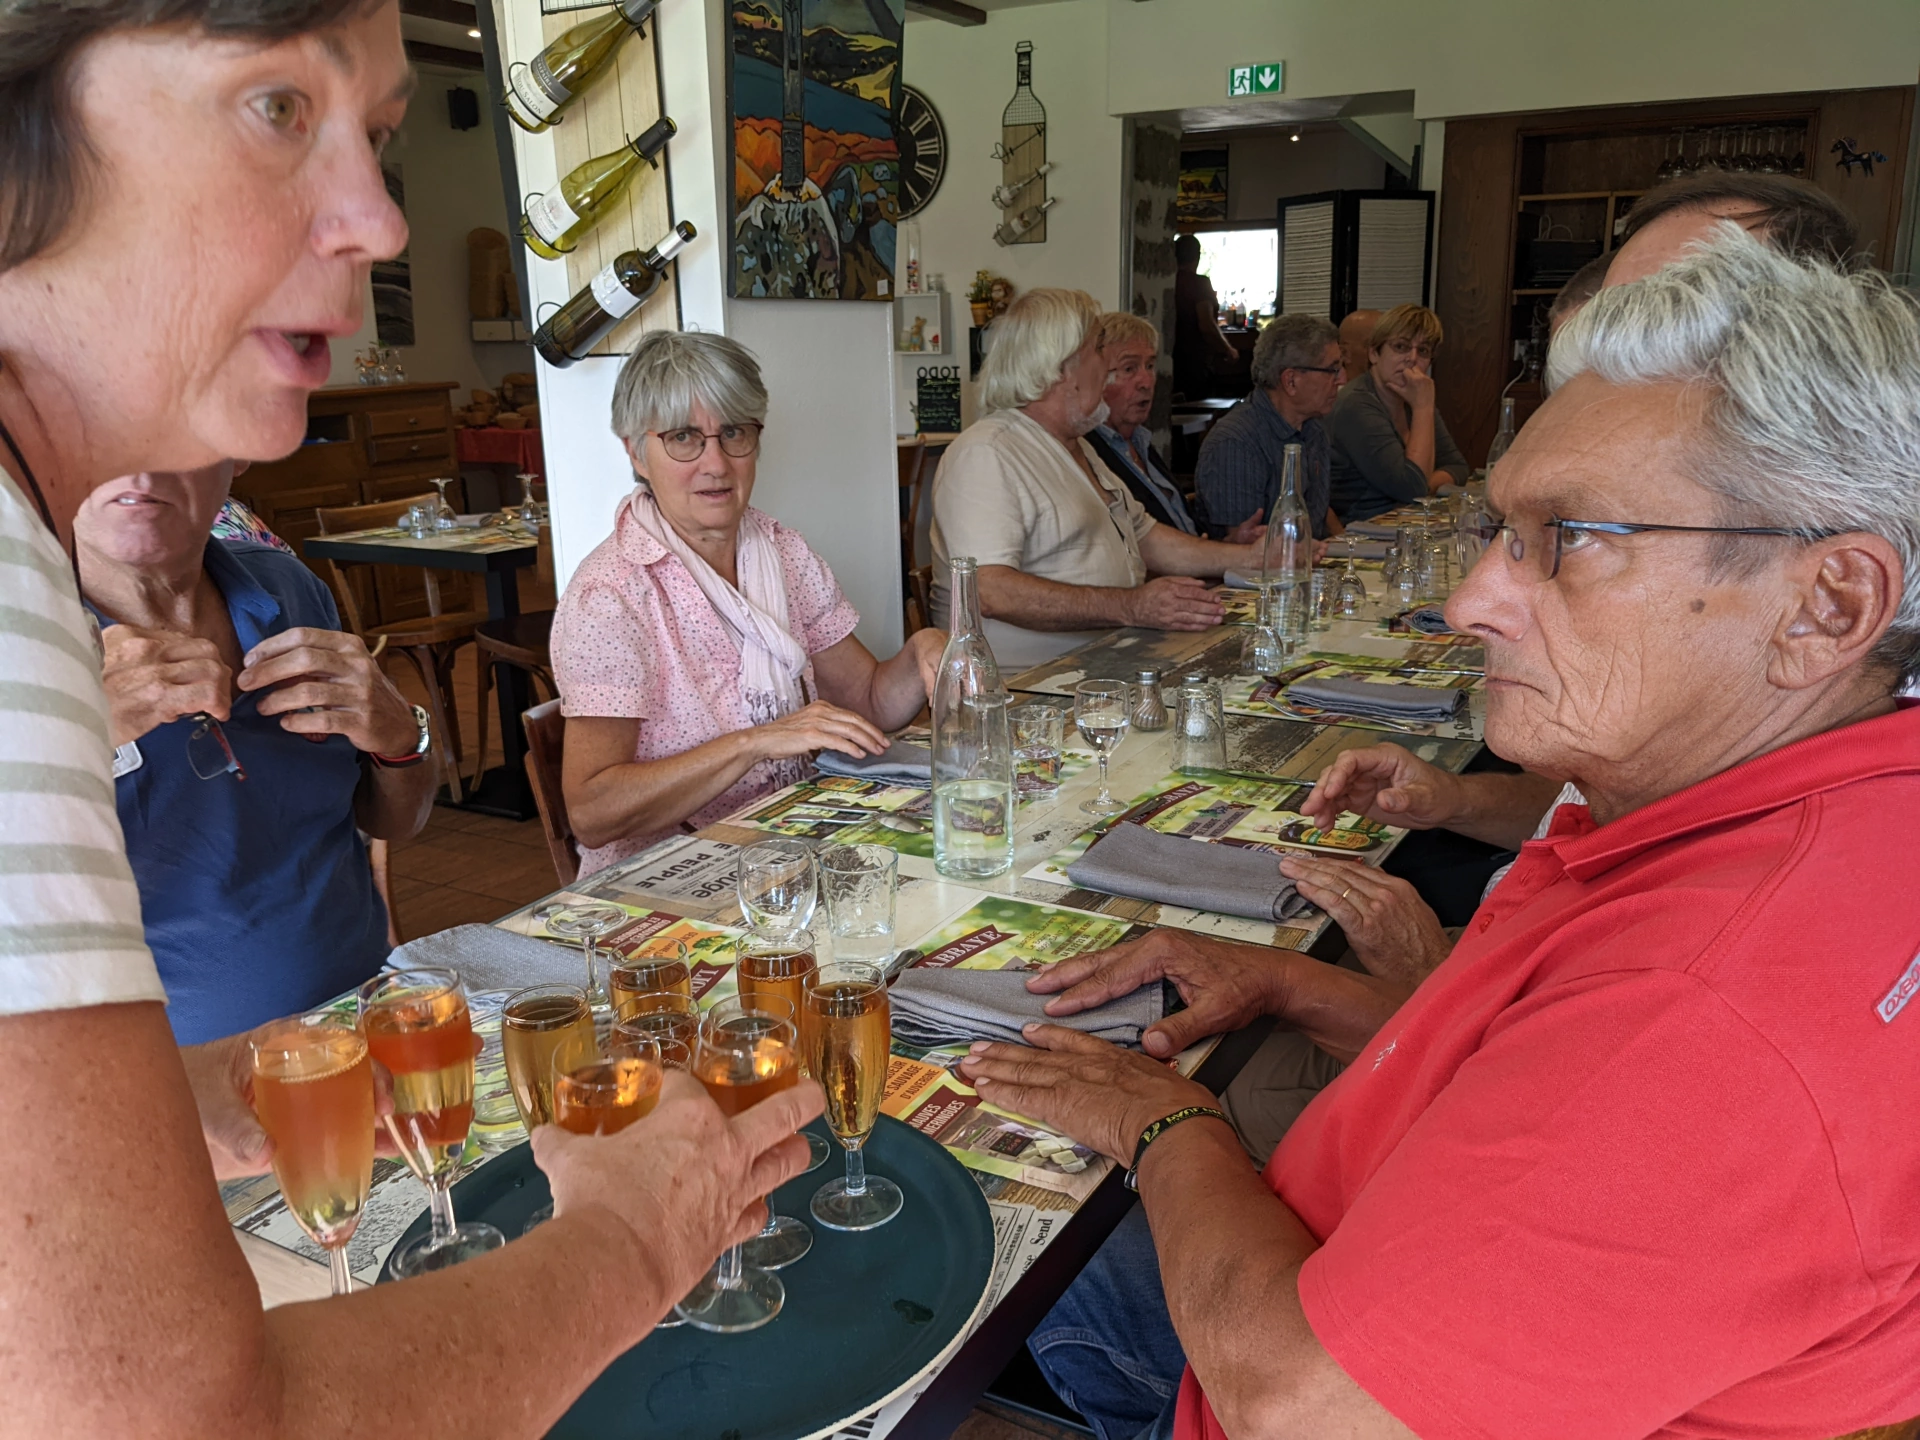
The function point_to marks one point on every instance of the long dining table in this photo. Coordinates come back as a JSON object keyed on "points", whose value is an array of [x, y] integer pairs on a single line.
{"points": [[1052, 1207]]}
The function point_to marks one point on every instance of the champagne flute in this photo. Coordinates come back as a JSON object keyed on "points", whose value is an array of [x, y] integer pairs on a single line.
{"points": [[313, 1092], [537, 1025], [587, 924], [643, 981], [848, 1045], [672, 1022], [778, 885], [1101, 711], [778, 966], [742, 1055], [416, 1024]]}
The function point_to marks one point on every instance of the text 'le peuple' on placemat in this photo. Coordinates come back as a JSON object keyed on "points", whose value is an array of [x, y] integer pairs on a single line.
{"points": [[1143, 864]]}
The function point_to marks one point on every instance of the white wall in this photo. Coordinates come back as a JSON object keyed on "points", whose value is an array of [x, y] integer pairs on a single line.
{"points": [[1263, 168], [1499, 55]]}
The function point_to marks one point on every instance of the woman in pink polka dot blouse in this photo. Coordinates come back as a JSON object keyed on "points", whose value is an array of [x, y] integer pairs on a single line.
{"points": [[703, 651]]}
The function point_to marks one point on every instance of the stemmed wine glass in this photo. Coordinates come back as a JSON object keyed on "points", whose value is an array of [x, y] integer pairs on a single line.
{"points": [[587, 924], [742, 1055], [417, 1025], [528, 513], [1101, 710], [313, 1092], [850, 1026], [443, 512], [1350, 595]]}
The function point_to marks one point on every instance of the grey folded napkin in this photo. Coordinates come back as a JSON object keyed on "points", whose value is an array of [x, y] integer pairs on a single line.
{"points": [[1363, 548], [1173, 870], [1372, 700], [904, 763], [1428, 620], [489, 958], [1368, 530], [957, 1007]]}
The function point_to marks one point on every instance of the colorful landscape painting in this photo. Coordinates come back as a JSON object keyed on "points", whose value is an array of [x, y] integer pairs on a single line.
{"points": [[815, 85]]}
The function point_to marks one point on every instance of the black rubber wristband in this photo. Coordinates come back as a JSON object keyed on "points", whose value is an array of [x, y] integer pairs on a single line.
{"points": [[1160, 1127]]}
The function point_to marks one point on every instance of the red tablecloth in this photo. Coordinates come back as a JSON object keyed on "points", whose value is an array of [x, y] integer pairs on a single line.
{"points": [[491, 445]]}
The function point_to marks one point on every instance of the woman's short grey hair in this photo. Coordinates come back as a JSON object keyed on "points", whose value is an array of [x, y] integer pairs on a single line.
{"points": [[1809, 379], [1290, 342], [672, 371], [1041, 331]]}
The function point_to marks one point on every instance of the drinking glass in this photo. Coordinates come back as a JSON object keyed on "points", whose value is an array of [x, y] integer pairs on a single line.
{"points": [[646, 981], [417, 1025], [496, 1114], [1430, 578], [641, 1037], [1100, 709], [1199, 727], [595, 1094], [1350, 595], [847, 1047], [773, 969], [1320, 600], [587, 924], [861, 884], [742, 1055], [778, 885], [419, 520], [673, 1023], [1038, 732], [1406, 576], [313, 1092], [442, 511], [537, 1026]]}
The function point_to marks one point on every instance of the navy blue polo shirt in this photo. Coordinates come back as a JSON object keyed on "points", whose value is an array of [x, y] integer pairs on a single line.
{"points": [[257, 896]]}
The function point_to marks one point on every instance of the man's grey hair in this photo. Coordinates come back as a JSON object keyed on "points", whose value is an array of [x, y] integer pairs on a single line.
{"points": [[672, 371], [1291, 342], [1041, 331], [1809, 381]]}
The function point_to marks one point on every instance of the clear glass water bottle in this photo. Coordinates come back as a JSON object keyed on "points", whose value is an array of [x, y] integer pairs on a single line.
{"points": [[1286, 574], [1505, 436], [973, 790]]}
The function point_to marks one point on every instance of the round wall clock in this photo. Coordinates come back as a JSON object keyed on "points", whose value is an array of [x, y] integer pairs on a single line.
{"points": [[923, 150]]}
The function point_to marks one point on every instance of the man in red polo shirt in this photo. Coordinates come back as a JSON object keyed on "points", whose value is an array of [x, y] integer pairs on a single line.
{"points": [[1638, 1158]]}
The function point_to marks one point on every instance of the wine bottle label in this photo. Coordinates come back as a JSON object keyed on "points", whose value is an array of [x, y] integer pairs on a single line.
{"points": [[551, 216], [614, 298], [538, 92]]}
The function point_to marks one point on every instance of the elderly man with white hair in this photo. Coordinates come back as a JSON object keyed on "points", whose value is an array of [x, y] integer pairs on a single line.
{"points": [[1064, 549], [1638, 1157]]}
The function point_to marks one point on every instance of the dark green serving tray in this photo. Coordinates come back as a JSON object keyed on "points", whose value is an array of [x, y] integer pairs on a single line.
{"points": [[866, 1314]]}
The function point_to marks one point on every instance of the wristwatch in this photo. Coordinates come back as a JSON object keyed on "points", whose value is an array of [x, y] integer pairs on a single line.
{"points": [[418, 753]]}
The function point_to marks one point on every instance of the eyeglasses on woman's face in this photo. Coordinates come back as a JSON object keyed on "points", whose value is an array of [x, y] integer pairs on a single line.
{"points": [[687, 443]]}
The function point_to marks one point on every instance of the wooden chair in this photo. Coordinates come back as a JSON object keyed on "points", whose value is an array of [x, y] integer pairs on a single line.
{"points": [[919, 598], [429, 642], [919, 457], [546, 731], [522, 643]]}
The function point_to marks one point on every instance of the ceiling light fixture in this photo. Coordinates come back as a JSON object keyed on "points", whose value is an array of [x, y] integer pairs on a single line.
{"points": [[473, 34], [1295, 137]]}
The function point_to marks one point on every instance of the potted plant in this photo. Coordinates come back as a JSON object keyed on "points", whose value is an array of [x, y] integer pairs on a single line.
{"points": [[980, 297]]}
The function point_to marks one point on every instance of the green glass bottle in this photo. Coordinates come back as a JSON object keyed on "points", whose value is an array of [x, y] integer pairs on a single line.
{"points": [[615, 293], [553, 223], [538, 93]]}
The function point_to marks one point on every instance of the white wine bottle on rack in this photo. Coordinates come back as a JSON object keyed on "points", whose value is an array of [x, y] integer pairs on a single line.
{"points": [[612, 295], [553, 223], [537, 94]]}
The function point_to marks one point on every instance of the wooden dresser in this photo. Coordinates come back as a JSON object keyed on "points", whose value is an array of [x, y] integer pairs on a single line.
{"points": [[364, 443]]}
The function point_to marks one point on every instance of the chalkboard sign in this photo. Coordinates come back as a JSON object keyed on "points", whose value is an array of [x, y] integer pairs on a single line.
{"points": [[936, 407]]}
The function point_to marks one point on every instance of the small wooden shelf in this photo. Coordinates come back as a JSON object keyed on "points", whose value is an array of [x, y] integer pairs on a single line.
{"points": [[1569, 195], [1537, 290]]}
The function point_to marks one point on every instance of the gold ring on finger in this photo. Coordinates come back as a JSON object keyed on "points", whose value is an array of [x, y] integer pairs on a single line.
{"points": [[1346, 892]]}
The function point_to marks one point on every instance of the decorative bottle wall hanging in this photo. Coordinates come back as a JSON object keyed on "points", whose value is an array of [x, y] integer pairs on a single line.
{"points": [[1022, 153]]}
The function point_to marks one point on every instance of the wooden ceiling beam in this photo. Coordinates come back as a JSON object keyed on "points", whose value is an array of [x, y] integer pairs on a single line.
{"points": [[425, 54], [954, 12], [454, 12]]}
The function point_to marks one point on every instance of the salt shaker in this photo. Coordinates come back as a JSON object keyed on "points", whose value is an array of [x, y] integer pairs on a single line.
{"points": [[1149, 710]]}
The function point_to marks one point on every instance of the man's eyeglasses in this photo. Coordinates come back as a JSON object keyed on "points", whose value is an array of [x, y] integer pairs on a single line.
{"points": [[1540, 545], [1319, 369], [209, 753], [687, 443]]}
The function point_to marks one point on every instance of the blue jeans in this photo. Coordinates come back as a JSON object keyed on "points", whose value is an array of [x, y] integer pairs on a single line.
{"points": [[1108, 1347]]}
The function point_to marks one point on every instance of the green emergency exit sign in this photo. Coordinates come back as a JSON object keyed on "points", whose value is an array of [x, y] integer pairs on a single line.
{"points": [[1268, 79]]}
